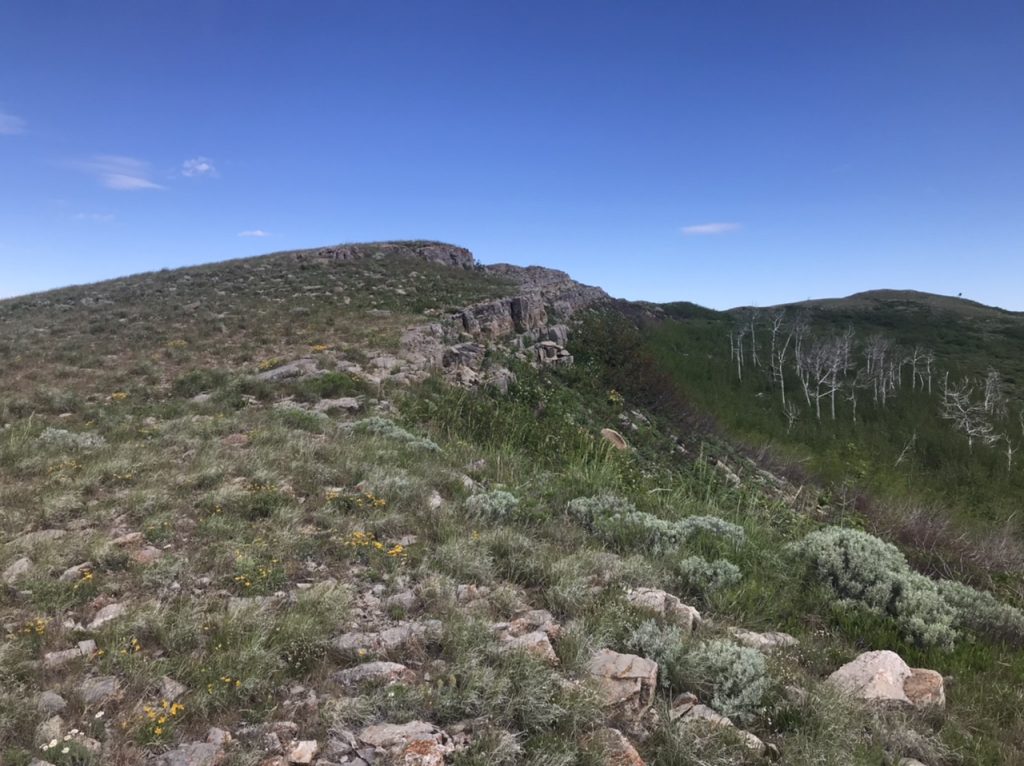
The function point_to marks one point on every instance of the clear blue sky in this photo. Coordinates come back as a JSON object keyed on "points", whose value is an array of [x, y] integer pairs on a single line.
{"points": [[720, 152]]}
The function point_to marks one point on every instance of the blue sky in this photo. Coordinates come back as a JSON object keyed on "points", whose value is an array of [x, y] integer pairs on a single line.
{"points": [[725, 153]]}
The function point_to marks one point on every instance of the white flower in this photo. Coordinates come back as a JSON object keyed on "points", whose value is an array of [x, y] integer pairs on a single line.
{"points": [[53, 742], [65, 750], [67, 737], [99, 714]]}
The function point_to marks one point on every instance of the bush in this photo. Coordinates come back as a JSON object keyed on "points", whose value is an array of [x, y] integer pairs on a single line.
{"points": [[666, 645], [862, 570], [735, 677], [617, 521], [388, 429], [58, 437], [705, 577], [493, 506]]}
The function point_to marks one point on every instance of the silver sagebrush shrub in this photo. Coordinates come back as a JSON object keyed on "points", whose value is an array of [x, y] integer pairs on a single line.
{"points": [[497, 505], [737, 677], [706, 576]]}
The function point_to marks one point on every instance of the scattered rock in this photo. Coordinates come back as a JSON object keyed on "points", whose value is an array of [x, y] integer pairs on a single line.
{"points": [[536, 643], [416, 743], [702, 715], [665, 605], [884, 677], [303, 751], [147, 555], [390, 639], [624, 679], [300, 368], [406, 600], [49, 729], [63, 657], [377, 672], [17, 570], [614, 438], [106, 614], [170, 689], [75, 573], [50, 702], [347, 403], [218, 737], [130, 538], [764, 642], [98, 689], [193, 754], [615, 748], [235, 440], [32, 539]]}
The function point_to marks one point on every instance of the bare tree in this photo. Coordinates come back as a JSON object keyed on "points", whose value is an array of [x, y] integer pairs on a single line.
{"points": [[995, 394], [967, 416], [792, 413]]}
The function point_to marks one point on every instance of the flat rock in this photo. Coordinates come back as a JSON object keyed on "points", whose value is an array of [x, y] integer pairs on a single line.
{"points": [[536, 643], [347, 403], [388, 736], [50, 702], [300, 368], [98, 689], [17, 570], [127, 539], [106, 614], [376, 672], [624, 679], [147, 555], [703, 715], [193, 754], [665, 605], [390, 639]]}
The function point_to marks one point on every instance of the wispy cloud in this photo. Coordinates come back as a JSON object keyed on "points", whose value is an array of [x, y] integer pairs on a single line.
{"points": [[254, 233], [11, 125], [709, 228], [94, 217], [119, 173], [198, 167]]}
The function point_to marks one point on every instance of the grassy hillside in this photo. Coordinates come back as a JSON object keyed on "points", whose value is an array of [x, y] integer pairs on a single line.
{"points": [[243, 553]]}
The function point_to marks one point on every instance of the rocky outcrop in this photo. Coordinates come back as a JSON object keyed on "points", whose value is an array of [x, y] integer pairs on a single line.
{"points": [[624, 680], [434, 252]]}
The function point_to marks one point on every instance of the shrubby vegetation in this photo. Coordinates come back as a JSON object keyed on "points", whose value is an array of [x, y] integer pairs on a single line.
{"points": [[735, 677], [388, 429], [869, 573], [497, 505]]}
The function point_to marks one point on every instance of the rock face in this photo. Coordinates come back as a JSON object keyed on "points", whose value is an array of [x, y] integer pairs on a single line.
{"points": [[884, 677], [434, 252], [624, 679], [665, 605]]}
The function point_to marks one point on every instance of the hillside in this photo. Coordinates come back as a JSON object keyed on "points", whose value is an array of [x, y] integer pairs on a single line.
{"points": [[364, 505]]}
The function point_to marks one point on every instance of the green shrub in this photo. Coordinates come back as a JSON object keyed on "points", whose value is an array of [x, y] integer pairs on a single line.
{"points": [[199, 381], [388, 429], [735, 677], [616, 521], [497, 505], [870, 573], [705, 577], [665, 644]]}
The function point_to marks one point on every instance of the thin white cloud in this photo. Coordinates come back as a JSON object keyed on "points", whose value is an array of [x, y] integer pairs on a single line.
{"points": [[11, 125], [198, 167], [254, 233], [95, 217], [710, 228], [119, 173]]}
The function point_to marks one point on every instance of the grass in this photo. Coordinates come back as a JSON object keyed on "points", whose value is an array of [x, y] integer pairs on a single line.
{"points": [[272, 546]]}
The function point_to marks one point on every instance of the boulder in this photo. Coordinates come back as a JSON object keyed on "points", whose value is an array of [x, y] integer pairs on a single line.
{"points": [[665, 605], [415, 743], [71, 574], [50, 702], [17, 570], [624, 679], [884, 677]]}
